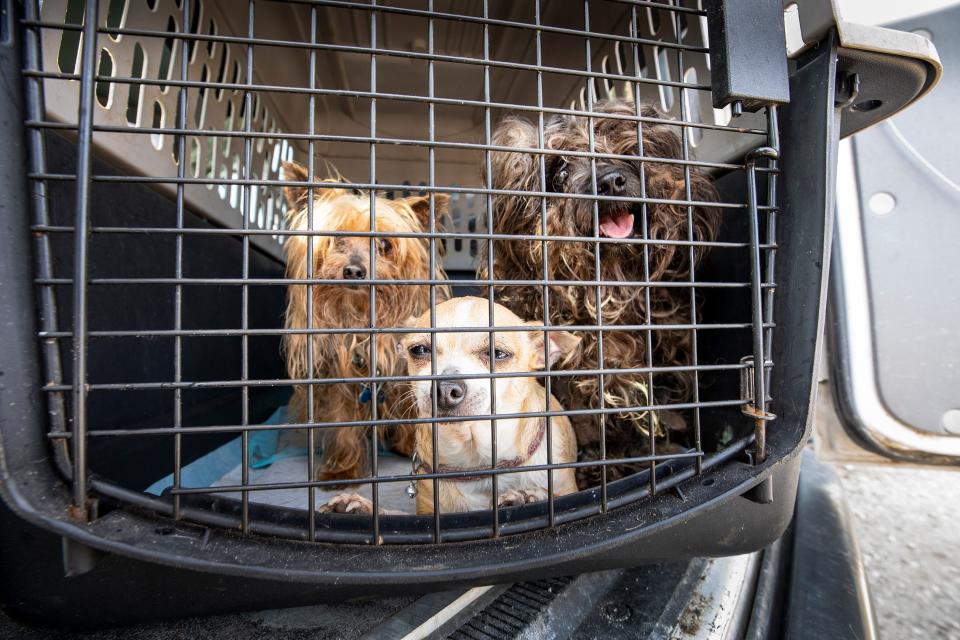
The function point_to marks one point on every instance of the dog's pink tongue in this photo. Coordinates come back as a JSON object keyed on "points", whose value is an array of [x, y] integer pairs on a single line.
{"points": [[617, 225]]}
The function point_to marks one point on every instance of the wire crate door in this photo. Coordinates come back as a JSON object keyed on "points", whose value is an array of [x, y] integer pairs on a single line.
{"points": [[137, 122]]}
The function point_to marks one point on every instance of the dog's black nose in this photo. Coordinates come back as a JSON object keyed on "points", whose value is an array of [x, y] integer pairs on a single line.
{"points": [[354, 272], [611, 183], [450, 393]]}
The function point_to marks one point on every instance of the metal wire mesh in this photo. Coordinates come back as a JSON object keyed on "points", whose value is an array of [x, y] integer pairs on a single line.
{"points": [[229, 177]]}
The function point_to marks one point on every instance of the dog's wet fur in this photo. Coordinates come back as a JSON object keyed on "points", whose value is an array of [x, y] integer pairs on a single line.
{"points": [[627, 434]]}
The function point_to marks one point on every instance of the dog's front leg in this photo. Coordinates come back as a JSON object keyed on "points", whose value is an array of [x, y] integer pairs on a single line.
{"points": [[345, 449]]}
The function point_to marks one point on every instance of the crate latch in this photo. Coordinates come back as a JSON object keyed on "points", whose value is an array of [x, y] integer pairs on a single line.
{"points": [[748, 54]]}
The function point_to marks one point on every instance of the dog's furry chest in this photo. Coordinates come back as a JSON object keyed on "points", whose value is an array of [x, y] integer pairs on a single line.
{"points": [[350, 353], [473, 495], [348, 356]]}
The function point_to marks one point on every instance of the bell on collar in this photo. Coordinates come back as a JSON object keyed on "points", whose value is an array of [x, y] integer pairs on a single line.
{"points": [[414, 467]]}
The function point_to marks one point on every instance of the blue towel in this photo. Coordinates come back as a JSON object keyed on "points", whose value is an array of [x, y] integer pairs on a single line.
{"points": [[262, 449], [262, 452]]}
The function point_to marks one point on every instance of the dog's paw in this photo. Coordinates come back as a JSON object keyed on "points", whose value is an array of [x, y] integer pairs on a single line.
{"points": [[514, 497], [352, 503]]}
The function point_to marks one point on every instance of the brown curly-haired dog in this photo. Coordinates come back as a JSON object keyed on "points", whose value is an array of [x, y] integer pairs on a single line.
{"points": [[627, 434], [346, 304]]}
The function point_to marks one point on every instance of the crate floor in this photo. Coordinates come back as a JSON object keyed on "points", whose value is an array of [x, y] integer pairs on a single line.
{"points": [[279, 457], [392, 495]]}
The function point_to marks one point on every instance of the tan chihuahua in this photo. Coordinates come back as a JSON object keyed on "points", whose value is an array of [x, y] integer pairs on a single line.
{"points": [[465, 446]]}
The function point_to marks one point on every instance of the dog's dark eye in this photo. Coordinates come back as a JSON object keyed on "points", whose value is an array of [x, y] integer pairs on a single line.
{"points": [[384, 246], [420, 351], [500, 354], [560, 174]]}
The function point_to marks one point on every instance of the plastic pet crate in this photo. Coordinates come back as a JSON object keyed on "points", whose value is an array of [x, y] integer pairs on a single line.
{"points": [[144, 387]]}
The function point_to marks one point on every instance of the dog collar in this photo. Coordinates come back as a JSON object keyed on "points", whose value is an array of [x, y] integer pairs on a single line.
{"points": [[422, 466]]}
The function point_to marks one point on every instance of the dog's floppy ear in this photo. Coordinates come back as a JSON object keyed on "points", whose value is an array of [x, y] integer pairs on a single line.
{"points": [[514, 131], [511, 170], [295, 194], [562, 344], [421, 208]]}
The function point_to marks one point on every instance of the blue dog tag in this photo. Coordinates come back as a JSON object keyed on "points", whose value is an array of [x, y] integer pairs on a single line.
{"points": [[366, 394]]}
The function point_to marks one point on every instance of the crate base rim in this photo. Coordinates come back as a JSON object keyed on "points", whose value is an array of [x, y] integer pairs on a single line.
{"points": [[565, 549]]}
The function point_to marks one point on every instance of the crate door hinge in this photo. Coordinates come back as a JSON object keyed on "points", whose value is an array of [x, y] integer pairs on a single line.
{"points": [[763, 492], [847, 90]]}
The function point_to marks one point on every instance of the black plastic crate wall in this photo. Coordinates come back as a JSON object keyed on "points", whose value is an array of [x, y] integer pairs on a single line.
{"points": [[156, 158]]}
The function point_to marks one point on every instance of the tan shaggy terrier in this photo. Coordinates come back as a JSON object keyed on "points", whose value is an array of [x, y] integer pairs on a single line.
{"points": [[345, 304]]}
